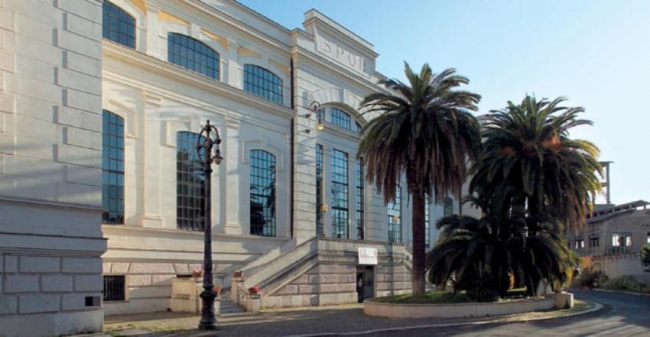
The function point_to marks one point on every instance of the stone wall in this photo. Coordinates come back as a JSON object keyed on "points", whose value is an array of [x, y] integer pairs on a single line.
{"points": [[149, 285], [392, 280], [50, 167], [325, 284]]}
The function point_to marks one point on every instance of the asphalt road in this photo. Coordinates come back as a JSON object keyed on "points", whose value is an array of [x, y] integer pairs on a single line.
{"points": [[623, 315]]}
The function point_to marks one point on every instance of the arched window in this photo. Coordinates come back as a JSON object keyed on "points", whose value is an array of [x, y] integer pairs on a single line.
{"points": [[118, 25], [263, 83], [340, 194], [262, 174], [340, 118], [192, 54], [448, 207], [395, 217], [112, 168], [190, 183]]}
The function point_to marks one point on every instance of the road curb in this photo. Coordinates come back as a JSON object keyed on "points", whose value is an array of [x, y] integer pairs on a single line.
{"points": [[597, 307], [621, 292]]}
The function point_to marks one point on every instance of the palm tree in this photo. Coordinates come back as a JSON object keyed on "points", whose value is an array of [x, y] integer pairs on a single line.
{"points": [[527, 151], [425, 132], [481, 255]]}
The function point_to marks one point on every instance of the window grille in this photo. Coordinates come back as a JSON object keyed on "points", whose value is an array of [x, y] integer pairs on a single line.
{"points": [[340, 118], [114, 288], [193, 55], [117, 25], [190, 183], [360, 201], [262, 190], [263, 83], [395, 217], [112, 168], [319, 190], [340, 194]]}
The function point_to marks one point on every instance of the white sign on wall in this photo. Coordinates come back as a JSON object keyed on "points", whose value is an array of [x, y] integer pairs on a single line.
{"points": [[367, 256]]}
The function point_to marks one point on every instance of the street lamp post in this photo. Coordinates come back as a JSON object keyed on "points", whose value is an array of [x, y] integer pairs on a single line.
{"points": [[208, 138]]}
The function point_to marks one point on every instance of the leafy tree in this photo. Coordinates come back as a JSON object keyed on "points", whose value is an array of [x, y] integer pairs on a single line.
{"points": [[425, 132], [528, 154], [645, 257]]}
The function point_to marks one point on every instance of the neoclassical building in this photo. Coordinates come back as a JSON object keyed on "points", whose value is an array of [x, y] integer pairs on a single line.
{"points": [[285, 103], [134, 83]]}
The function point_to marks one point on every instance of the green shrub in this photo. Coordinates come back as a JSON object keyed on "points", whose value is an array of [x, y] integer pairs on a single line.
{"points": [[625, 283], [430, 297], [591, 278]]}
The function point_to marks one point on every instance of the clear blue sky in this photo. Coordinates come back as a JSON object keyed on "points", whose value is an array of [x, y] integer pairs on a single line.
{"points": [[595, 53]]}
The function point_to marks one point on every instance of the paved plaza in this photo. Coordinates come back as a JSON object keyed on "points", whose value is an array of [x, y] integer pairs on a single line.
{"points": [[323, 321]]}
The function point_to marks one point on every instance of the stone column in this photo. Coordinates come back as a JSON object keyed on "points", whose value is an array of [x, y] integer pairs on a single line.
{"points": [[151, 164]]}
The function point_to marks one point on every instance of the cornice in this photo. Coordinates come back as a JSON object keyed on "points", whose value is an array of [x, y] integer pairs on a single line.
{"points": [[242, 26], [51, 204]]}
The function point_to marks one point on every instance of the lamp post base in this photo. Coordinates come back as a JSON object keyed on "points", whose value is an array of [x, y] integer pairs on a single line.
{"points": [[208, 321]]}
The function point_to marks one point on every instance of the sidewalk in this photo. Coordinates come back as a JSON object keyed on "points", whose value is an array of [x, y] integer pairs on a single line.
{"points": [[304, 322]]}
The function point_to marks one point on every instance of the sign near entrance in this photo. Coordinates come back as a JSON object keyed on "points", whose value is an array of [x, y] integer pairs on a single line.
{"points": [[367, 256]]}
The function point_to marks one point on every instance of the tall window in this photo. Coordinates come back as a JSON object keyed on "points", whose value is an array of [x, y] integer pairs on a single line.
{"points": [[117, 25], [359, 203], [112, 168], [395, 217], [427, 235], [340, 118], [340, 194], [192, 54], [190, 183], [263, 83], [448, 209], [319, 190], [262, 193]]}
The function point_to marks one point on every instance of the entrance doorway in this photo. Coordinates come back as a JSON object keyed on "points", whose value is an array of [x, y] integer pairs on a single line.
{"points": [[365, 282]]}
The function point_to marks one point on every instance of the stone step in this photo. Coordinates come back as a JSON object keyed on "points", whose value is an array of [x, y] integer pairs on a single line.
{"points": [[227, 307]]}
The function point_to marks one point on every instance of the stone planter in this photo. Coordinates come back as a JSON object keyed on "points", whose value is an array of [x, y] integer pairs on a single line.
{"points": [[186, 296], [473, 309]]}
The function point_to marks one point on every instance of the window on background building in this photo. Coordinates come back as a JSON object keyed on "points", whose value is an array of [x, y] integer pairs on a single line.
{"points": [[112, 168], [448, 209], [647, 238], [594, 240], [579, 243], [190, 182], [319, 190], [117, 25], [395, 217], [621, 242], [356, 127], [340, 194], [622, 239], [262, 176], [427, 235], [193, 55], [359, 204], [263, 83], [340, 118]]}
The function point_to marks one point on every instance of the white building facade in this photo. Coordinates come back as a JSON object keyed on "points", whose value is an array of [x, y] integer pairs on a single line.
{"points": [[135, 82]]}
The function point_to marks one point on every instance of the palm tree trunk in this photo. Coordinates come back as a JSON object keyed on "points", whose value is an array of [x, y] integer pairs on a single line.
{"points": [[418, 243]]}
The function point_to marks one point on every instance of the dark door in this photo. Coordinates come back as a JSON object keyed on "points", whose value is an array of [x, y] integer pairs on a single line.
{"points": [[365, 282]]}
